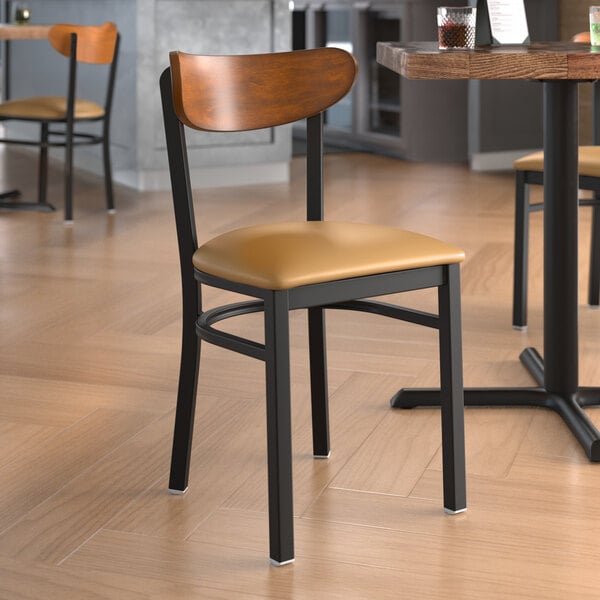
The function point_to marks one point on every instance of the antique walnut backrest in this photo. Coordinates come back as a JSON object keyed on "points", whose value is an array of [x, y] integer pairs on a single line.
{"points": [[237, 93], [240, 93], [95, 44]]}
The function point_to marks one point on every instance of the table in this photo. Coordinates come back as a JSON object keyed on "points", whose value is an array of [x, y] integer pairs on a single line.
{"points": [[8, 33], [24, 32], [560, 66]]}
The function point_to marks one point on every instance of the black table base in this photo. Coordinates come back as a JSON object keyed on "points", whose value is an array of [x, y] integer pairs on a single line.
{"points": [[569, 407], [557, 375], [8, 202]]}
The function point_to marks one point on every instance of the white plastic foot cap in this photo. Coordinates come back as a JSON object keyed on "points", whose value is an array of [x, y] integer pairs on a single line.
{"points": [[280, 564], [177, 492], [520, 327], [322, 455], [455, 512]]}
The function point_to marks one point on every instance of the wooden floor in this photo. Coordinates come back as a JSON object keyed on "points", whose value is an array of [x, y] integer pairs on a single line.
{"points": [[88, 369]]}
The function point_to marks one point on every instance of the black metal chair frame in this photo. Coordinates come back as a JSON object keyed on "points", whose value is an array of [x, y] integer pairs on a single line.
{"points": [[342, 294], [523, 208], [69, 139]]}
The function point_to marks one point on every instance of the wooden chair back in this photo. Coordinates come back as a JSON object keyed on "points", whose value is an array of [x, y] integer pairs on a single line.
{"points": [[239, 93], [95, 43], [583, 37]]}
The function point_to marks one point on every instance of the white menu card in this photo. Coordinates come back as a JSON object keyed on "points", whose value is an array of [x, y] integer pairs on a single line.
{"points": [[508, 21]]}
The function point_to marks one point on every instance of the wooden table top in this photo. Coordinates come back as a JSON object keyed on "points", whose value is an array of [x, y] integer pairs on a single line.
{"points": [[24, 32], [547, 60]]}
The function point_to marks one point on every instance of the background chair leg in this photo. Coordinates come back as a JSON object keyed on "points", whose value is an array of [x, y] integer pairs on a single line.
{"points": [[594, 278], [43, 164], [452, 396], [108, 183], [521, 251], [69, 178], [318, 382], [186, 397], [279, 432]]}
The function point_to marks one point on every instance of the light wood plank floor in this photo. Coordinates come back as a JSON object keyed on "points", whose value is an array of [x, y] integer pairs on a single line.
{"points": [[88, 369]]}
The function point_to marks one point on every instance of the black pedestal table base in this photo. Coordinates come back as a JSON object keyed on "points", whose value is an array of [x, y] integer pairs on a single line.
{"points": [[569, 407], [556, 375], [8, 201]]}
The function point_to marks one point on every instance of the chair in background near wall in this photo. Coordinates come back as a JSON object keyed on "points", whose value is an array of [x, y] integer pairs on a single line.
{"points": [[530, 171], [80, 43], [314, 264]]}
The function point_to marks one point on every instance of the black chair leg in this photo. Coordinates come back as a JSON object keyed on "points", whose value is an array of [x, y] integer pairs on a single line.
{"points": [[521, 251], [318, 382], [108, 183], [452, 395], [279, 433], [43, 164], [68, 177], [594, 279], [186, 394]]}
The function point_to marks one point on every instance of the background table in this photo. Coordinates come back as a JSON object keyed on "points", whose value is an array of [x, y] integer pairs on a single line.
{"points": [[560, 66]]}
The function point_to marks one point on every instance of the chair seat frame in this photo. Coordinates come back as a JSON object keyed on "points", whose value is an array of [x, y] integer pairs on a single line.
{"points": [[346, 294]]}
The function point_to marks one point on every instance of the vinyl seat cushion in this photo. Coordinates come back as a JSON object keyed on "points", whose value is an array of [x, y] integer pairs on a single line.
{"points": [[50, 108], [589, 161], [280, 256]]}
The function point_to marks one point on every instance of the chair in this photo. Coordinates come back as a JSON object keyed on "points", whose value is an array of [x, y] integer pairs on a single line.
{"points": [[529, 170], [314, 264], [80, 43]]}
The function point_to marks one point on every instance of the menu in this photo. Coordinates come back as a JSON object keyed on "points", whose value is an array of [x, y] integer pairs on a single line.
{"points": [[508, 21]]}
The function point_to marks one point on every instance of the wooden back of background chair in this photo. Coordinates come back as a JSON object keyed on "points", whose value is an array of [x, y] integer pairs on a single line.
{"points": [[582, 38], [95, 44], [238, 93]]}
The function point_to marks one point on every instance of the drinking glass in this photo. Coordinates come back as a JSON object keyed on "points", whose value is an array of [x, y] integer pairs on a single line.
{"points": [[456, 27]]}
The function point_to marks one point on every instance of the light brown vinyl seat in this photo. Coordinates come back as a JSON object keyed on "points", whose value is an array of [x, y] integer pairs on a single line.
{"points": [[281, 256], [529, 170], [313, 265], [90, 44], [588, 163], [49, 108]]}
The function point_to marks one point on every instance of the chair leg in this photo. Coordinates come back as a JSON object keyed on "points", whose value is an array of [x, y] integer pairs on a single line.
{"points": [[43, 164], [594, 279], [108, 183], [279, 432], [186, 395], [318, 382], [452, 395], [521, 251], [68, 177]]}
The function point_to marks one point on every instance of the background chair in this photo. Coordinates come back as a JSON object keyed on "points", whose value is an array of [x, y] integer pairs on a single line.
{"points": [[314, 264], [529, 170], [80, 43]]}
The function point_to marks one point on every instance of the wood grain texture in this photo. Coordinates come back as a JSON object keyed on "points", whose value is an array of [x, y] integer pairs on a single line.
{"points": [[88, 378], [24, 32], [95, 44], [237, 93], [558, 60]]}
